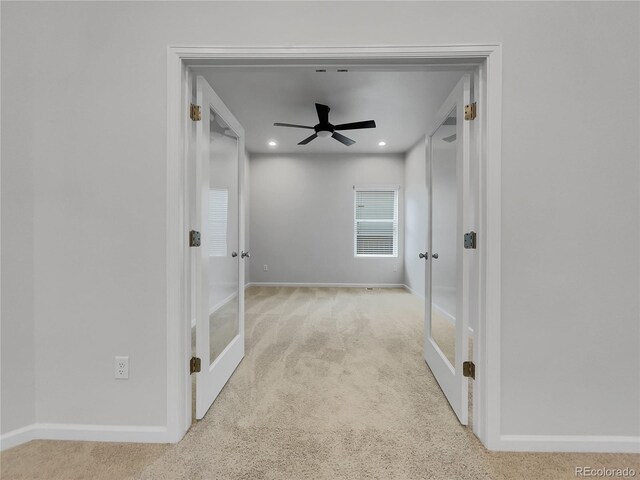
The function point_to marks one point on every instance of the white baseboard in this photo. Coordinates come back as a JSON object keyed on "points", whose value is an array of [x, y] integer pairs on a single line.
{"points": [[17, 437], [446, 315], [91, 433], [326, 285], [223, 302], [145, 434], [414, 292], [569, 443], [421, 295]]}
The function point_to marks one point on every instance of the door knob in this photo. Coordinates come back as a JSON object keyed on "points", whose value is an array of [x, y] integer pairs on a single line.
{"points": [[423, 255], [435, 255], [234, 254], [245, 254]]}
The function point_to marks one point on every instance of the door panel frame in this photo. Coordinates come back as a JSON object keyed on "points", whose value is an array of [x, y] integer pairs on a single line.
{"points": [[210, 383], [452, 383], [485, 58]]}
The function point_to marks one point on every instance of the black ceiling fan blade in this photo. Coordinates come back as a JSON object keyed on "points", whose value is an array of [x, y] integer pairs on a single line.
{"points": [[356, 125], [323, 113], [308, 139], [342, 139], [277, 124]]}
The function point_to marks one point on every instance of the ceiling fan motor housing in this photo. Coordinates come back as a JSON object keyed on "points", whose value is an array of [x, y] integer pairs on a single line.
{"points": [[324, 129]]}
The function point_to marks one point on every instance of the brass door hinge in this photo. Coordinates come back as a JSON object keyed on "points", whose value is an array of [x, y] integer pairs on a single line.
{"points": [[470, 111], [195, 113], [194, 365], [468, 369], [194, 238]]}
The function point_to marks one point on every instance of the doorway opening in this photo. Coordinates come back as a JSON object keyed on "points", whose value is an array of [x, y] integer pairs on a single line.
{"points": [[225, 70]]}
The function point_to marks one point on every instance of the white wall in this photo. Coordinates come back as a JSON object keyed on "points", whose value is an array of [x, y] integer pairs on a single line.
{"points": [[415, 223], [247, 214], [17, 383], [84, 193], [302, 218]]}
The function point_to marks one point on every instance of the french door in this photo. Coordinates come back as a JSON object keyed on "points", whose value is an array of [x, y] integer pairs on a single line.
{"points": [[446, 333], [218, 266]]}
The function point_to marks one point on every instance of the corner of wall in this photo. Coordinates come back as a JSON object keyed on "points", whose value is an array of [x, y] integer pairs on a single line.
{"points": [[247, 212], [415, 228]]}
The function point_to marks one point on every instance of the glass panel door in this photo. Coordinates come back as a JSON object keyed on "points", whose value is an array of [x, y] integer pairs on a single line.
{"points": [[219, 271], [443, 252], [221, 236], [446, 317]]}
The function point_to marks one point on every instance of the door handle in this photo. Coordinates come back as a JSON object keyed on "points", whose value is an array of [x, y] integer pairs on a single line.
{"points": [[423, 255], [234, 254], [435, 255], [245, 254]]}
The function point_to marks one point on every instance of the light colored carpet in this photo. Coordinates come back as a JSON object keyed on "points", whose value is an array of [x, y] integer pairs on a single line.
{"points": [[333, 386], [223, 327], [443, 333]]}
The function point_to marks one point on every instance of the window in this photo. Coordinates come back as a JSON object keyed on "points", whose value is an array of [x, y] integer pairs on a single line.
{"points": [[218, 204], [375, 222]]}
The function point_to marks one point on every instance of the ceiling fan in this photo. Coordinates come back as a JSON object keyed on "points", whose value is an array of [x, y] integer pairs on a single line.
{"points": [[325, 129]]}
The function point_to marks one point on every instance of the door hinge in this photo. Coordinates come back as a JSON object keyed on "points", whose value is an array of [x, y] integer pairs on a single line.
{"points": [[195, 113], [470, 240], [469, 369], [194, 365], [470, 111], [194, 238]]}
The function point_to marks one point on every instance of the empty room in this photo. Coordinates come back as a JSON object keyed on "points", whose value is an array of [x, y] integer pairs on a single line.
{"points": [[336, 230], [320, 240]]}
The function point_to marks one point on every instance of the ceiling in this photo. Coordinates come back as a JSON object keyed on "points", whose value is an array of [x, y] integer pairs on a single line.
{"points": [[403, 104]]}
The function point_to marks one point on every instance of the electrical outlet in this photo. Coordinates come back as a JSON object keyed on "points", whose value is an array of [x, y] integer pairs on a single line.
{"points": [[395, 268], [122, 368], [265, 268]]}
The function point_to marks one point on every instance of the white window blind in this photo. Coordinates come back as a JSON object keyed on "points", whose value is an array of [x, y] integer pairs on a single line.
{"points": [[218, 205], [376, 222]]}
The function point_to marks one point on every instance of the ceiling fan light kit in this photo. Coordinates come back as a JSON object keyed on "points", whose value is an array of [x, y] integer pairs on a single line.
{"points": [[325, 129]]}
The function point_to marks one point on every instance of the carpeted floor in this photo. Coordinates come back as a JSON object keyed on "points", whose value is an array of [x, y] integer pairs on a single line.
{"points": [[443, 333], [333, 386], [223, 327]]}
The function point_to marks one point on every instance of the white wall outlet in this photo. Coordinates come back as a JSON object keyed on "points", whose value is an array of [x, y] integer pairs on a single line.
{"points": [[395, 268], [122, 368], [265, 268]]}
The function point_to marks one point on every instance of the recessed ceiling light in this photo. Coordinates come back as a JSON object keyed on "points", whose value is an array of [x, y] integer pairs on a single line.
{"points": [[272, 143], [382, 143]]}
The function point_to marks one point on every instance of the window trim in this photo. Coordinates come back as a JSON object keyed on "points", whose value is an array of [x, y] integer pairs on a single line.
{"points": [[395, 220]]}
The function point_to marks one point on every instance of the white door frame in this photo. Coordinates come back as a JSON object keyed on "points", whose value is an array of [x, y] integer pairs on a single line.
{"points": [[488, 94]]}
